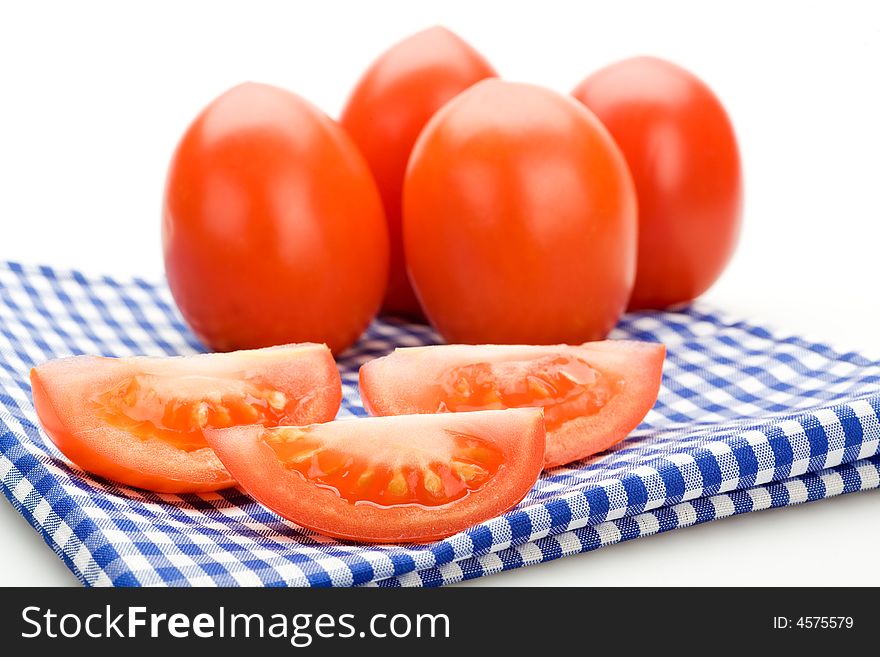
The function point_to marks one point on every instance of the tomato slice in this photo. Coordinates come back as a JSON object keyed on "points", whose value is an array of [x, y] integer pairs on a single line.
{"points": [[139, 420], [593, 395], [397, 479]]}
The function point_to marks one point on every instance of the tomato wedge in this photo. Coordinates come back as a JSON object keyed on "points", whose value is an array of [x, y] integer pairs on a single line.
{"points": [[593, 395], [398, 479], [139, 420]]}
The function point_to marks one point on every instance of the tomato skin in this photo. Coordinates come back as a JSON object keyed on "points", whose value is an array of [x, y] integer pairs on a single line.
{"points": [[406, 381], [387, 110], [273, 228], [683, 154], [519, 433], [65, 390], [519, 219]]}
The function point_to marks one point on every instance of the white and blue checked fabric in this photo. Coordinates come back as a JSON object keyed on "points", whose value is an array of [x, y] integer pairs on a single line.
{"points": [[747, 419]]}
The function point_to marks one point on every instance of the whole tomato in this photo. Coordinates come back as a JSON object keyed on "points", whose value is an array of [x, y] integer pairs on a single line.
{"points": [[388, 108], [682, 151], [273, 227], [519, 219]]}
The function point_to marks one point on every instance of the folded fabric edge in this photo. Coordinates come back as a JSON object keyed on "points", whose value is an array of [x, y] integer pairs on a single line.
{"points": [[784, 445], [790, 447], [831, 482], [63, 526]]}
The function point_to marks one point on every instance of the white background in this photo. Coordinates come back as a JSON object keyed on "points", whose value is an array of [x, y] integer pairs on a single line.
{"points": [[94, 95]]}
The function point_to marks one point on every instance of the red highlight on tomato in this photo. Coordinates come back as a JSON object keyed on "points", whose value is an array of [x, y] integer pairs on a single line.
{"points": [[593, 395], [413, 478], [139, 420]]}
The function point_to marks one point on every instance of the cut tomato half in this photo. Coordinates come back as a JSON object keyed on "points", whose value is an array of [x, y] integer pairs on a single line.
{"points": [[593, 395], [399, 479], [139, 420]]}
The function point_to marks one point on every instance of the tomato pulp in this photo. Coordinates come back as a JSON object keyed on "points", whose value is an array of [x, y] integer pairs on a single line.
{"points": [[682, 151], [396, 479], [593, 395], [139, 420], [388, 107]]}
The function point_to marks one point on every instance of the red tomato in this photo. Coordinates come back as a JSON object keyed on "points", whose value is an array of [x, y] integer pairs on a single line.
{"points": [[273, 227], [593, 395], [139, 421], [389, 480], [683, 155], [388, 108], [519, 219]]}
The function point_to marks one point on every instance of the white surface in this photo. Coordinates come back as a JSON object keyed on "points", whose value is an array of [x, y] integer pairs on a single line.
{"points": [[93, 97]]}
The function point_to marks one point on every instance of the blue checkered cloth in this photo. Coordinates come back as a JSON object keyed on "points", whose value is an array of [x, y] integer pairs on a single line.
{"points": [[747, 419]]}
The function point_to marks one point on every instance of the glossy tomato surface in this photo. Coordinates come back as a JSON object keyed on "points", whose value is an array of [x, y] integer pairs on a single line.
{"points": [[139, 421], [683, 154], [388, 108], [519, 219], [273, 227], [391, 479], [593, 395]]}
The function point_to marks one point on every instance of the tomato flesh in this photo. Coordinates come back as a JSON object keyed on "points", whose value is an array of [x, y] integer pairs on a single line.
{"points": [[139, 421], [565, 387], [442, 472], [150, 406], [407, 478], [593, 395]]}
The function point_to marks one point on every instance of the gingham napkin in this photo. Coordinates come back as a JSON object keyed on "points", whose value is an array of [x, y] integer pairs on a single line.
{"points": [[747, 419]]}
